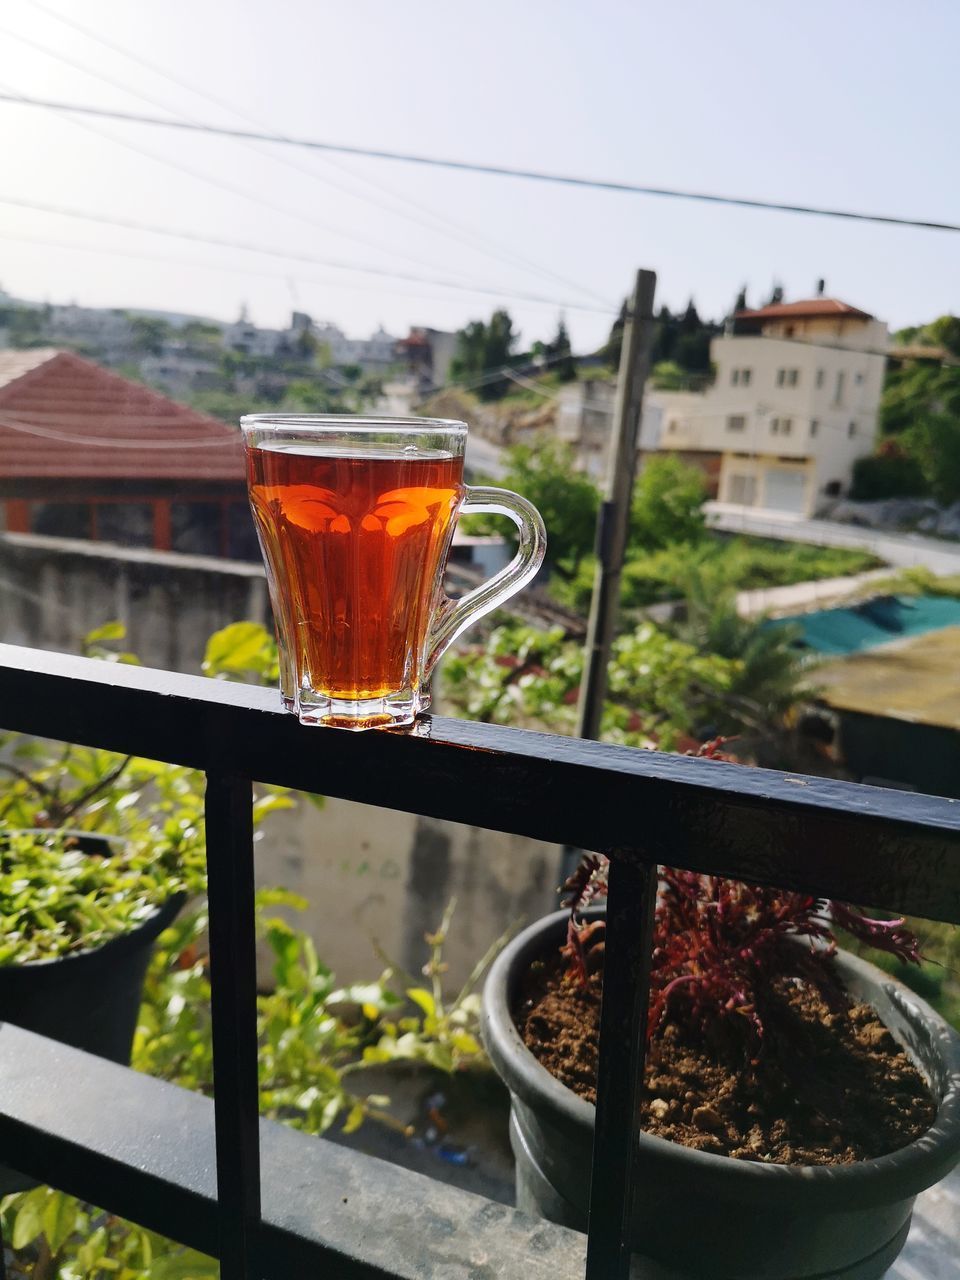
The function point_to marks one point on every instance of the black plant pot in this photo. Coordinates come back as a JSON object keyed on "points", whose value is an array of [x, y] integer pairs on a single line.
{"points": [[699, 1216], [89, 1000]]}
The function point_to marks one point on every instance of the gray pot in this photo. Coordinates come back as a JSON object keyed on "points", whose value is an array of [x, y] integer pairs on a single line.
{"points": [[708, 1216]]}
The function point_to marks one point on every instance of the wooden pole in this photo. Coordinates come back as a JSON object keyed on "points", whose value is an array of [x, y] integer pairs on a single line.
{"points": [[614, 519]]}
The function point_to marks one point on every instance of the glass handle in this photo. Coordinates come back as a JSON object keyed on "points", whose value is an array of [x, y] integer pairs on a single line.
{"points": [[453, 617]]}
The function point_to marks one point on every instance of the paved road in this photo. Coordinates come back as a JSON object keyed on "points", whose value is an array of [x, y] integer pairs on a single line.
{"points": [[901, 549]]}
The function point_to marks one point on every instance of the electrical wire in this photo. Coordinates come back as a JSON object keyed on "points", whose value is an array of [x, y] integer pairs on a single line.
{"points": [[494, 170], [115, 442], [245, 270], [241, 193], [465, 235], [196, 238]]}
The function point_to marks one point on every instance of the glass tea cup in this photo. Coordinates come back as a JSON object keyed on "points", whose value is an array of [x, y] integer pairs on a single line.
{"points": [[355, 518]]}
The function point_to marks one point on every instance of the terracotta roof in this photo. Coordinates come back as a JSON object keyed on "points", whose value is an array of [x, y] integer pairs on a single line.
{"points": [[811, 308], [65, 417]]}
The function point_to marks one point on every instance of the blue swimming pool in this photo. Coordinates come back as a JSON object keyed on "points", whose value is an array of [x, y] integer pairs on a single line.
{"points": [[854, 628]]}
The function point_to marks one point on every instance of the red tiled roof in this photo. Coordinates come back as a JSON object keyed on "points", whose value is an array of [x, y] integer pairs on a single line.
{"points": [[810, 309], [64, 417]]}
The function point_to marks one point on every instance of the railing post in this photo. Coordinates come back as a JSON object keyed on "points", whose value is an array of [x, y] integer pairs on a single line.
{"points": [[233, 982], [628, 950]]}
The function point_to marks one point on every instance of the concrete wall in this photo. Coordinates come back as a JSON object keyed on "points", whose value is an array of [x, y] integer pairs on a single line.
{"points": [[367, 872]]}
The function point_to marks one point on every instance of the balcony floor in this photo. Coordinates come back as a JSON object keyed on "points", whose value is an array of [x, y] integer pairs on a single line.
{"points": [[932, 1251]]}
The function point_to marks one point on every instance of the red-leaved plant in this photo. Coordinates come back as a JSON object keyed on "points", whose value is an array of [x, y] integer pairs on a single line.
{"points": [[718, 942]]}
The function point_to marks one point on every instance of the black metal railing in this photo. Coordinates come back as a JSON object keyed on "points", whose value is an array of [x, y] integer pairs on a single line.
{"points": [[144, 1149]]}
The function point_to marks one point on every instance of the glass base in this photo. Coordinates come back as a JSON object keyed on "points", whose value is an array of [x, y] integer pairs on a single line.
{"points": [[394, 711]]}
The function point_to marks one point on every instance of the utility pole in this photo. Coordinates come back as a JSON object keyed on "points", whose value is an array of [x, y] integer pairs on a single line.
{"points": [[614, 519]]}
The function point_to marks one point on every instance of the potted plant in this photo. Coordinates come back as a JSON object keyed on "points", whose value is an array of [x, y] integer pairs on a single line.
{"points": [[796, 1098], [98, 853], [80, 916]]}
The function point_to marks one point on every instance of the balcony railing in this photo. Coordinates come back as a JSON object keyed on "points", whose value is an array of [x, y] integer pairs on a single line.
{"points": [[192, 1170]]}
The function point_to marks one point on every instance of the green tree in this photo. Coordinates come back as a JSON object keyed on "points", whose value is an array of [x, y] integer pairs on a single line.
{"points": [[567, 500], [916, 390], [935, 442], [769, 678], [481, 350], [667, 504], [559, 354], [26, 327], [148, 334], [667, 375], [202, 338], [614, 344], [501, 339]]}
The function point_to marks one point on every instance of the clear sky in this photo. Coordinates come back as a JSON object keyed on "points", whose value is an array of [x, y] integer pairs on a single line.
{"points": [[851, 104]]}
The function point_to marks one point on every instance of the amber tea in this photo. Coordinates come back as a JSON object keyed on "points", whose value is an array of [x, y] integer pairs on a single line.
{"points": [[360, 540], [355, 520]]}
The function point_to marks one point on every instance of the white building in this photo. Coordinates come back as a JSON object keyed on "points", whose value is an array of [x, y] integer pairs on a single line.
{"points": [[584, 422], [245, 337], [793, 405]]}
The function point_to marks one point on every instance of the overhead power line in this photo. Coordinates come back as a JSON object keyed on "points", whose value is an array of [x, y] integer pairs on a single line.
{"points": [[240, 192], [233, 269], [495, 170], [433, 219], [339, 265]]}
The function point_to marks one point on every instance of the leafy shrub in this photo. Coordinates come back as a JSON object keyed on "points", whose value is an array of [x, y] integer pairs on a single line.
{"points": [[316, 1040], [667, 504], [658, 687], [741, 564], [934, 441], [56, 900], [719, 944], [890, 473], [567, 500]]}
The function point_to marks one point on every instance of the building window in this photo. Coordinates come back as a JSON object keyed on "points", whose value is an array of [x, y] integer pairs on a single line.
{"points": [[821, 377], [858, 378], [788, 377], [741, 377], [736, 422], [781, 426], [672, 427], [742, 490], [838, 393], [851, 430], [814, 427]]}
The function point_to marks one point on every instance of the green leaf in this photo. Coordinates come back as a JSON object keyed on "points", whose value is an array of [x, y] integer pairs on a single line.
{"points": [[355, 1118], [276, 897], [420, 996], [238, 648], [29, 1220], [61, 1217], [185, 1265], [464, 1042], [109, 631]]}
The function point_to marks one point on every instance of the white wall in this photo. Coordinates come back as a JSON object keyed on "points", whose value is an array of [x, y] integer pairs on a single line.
{"points": [[822, 407]]}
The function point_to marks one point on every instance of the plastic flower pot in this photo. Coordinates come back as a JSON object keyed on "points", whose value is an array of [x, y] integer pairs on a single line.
{"points": [[89, 999], [711, 1217]]}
